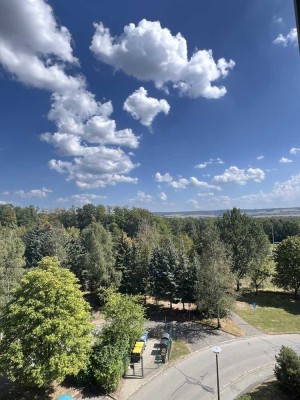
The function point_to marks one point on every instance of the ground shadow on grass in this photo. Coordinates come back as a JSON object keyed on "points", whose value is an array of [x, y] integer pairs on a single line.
{"points": [[281, 300], [160, 313], [269, 391], [12, 391]]}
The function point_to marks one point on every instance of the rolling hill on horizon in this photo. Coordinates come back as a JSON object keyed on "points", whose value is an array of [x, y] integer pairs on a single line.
{"points": [[263, 212]]}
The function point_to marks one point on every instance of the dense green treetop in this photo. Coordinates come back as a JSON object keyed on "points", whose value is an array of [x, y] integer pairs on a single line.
{"points": [[125, 314], [214, 288], [287, 264], [245, 239], [8, 216], [46, 327], [11, 263], [98, 261], [44, 240]]}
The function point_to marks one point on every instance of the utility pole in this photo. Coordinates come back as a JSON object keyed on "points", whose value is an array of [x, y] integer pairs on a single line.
{"points": [[217, 351]]}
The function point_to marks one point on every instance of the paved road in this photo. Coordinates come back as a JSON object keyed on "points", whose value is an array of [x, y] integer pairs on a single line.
{"points": [[195, 377]]}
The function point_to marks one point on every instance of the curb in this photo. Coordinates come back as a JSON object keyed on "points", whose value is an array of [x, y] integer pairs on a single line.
{"points": [[252, 385]]}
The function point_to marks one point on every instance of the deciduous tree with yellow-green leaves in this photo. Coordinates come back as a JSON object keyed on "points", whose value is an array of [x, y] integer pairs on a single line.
{"points": [[46, 327]]}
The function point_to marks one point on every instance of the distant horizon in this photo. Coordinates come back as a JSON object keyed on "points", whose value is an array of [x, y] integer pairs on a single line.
{"points": [[277, 211]]}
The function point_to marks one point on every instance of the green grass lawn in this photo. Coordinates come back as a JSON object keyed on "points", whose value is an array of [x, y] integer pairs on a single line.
{"points": [[269, 391], [275, 312]]}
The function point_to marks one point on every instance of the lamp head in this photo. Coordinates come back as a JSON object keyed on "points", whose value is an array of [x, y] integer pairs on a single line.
{"points": [[216, 350]]}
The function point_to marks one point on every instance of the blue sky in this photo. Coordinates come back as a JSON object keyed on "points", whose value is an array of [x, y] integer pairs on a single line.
{"points": [[166, 105]]}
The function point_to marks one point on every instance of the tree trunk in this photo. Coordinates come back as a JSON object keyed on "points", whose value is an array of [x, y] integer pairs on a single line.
{"points": [[170, 305], [256, 287], [238, 286], [296, 293], [218, 317], [183, 306]]}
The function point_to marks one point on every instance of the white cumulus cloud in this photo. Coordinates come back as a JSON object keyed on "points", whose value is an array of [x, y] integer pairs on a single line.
{"points": [[141, 197], [36, 50], [210, 162], [283, 194], [240, 176], [163, 177], [162, 196], [260, 157], [289, 39], [151, 53], [87, 134], [285, 160], [98, 166], [82, 198], [209, 201], [294, 150], [183, 183], [40, 193], [144, 108], [31, 43]]}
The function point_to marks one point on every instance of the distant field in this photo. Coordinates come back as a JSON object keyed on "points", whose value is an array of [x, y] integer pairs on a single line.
{"points": [[268, 212], [275, 312]]}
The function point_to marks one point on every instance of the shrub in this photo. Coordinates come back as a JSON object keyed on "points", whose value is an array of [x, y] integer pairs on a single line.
{"points": [[287, 370], [107, 365]]}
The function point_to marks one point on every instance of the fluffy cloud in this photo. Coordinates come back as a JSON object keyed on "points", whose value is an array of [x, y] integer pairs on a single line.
{"points": [[183, 183], [82, 198], [84, 132], [97, 167], [163, 177], [283, 194], [31, 42], [162, 196], [35, 50], [141, 197], [240, 176], [209, 201], [285, 160], [144, 108], [79, 117], [40, 193], [151, 53], [294, 150], [210, 162], [289, 39], [260, 157]]}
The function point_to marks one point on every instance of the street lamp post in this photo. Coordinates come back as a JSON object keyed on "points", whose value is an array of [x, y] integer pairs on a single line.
{"points": [[217, 351]]}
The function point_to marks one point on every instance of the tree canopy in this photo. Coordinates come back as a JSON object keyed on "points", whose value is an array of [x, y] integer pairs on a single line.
{"points": [[287, 267], [11, 263], [214, 289], [46, 327], [246, 241]]}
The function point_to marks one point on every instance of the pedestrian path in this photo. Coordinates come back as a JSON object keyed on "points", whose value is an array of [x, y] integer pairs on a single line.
{"points": [[247, 328]]}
